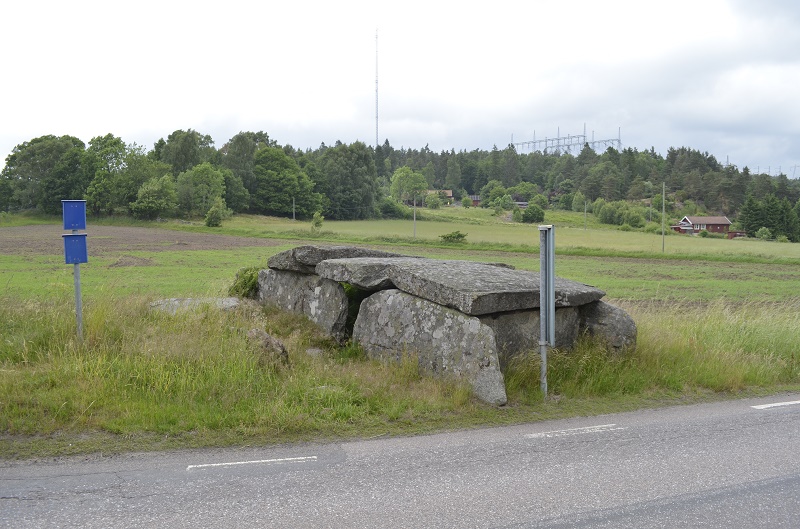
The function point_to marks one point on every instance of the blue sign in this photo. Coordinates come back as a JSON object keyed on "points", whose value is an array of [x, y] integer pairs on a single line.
{"points": [[74, 214], [75, 248]]}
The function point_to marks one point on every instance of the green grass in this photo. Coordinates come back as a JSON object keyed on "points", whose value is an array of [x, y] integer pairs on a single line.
{"points": [[488, 233], [141, 380], [688, 349]]}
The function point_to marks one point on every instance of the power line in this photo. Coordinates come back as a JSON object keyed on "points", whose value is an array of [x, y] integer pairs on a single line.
{"points": [[568, 143]]}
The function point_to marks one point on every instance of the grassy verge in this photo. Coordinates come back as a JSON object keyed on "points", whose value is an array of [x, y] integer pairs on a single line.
{"points": [[143, 380]]}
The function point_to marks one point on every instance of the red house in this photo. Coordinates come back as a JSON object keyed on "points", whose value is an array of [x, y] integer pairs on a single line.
{"points": [[693, 225]]}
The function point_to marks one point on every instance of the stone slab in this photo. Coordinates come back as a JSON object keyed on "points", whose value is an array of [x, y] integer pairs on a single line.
{"points": [[609, 323], [173, 305], [304, 259], [472, 288], [392, 323], [366, 273], [518, 332], [323, 301]]}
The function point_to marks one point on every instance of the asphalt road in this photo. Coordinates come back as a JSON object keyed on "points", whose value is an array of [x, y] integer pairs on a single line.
{"points": [[726, 465]]}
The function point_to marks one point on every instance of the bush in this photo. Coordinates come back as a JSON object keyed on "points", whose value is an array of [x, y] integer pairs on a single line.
{"points": [[503, 203], [466, 201], [703, 233], [611, 213], [214, 217], [217, 213], [578, 202], [634, 219], [245, 285], [455, 236], [516, 214], [764, 234], [392, 209], [782, 238], [432, 201], [533, 214], [316, 221], [155, 197], [565, 202], [618, 213], [652, 227], [539, 200], [597, 206]]}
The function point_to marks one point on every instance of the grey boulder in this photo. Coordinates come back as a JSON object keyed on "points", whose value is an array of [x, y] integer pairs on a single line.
{"points": [[323, 301], [391, 324]]}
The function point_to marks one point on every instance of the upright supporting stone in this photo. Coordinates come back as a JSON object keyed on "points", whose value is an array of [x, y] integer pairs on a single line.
{"points": [[323, 301], [446, 342]]}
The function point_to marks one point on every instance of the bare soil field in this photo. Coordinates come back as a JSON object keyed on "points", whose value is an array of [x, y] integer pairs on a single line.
{"points": [[111, 240]]}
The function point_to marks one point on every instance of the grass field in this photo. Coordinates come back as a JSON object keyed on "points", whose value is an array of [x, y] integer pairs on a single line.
{"points": [[716, 318]]}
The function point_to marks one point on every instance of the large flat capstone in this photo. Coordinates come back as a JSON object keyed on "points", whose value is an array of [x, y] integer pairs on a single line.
{"points": [[303, 259], [472, 288]]}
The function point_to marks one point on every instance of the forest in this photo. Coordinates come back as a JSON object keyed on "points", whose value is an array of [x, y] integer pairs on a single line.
{"points": [[187, 176]]}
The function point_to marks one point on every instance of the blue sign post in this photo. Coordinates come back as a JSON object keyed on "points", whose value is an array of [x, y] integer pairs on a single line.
{"points": [[75, 251]]}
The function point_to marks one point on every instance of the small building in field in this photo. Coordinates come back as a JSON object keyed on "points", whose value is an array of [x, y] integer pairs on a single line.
{"points": [[693, 225], [476, 200]]}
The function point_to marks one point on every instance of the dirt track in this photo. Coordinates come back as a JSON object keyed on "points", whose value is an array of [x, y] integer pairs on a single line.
{"points": [[105, 240]]}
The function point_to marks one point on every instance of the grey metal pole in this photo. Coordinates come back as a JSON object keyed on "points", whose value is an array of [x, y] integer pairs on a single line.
{"points": [[76, 274], [547, 299], [663, 210], [415, 217]]}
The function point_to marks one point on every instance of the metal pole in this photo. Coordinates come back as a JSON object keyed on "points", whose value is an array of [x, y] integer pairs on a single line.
{"points": [[76, 274], [542, 318], [663, 201], [584, 215], [415, 216], [547, 298]]}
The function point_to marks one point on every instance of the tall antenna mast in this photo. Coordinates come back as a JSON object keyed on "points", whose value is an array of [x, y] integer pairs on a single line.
{"points": [[376, 88]]}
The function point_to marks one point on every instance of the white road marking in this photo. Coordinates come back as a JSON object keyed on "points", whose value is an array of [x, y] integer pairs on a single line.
{"points": [[306, 459], [775, 405], [575, 431]]}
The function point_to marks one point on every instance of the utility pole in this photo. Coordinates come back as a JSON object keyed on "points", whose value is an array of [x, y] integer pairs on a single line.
{"points": [[663, 202], [415, 216]]}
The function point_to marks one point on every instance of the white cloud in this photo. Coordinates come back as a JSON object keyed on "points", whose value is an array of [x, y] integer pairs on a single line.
{"points": [[714, 75]]}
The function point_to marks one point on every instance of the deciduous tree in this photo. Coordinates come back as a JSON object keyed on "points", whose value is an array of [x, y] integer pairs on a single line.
{"points": [[279, 182], [156, 197], [33, 162], [408, 185], [198, 188]]}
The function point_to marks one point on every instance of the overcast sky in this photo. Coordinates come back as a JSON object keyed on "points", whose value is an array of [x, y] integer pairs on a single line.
{"points": [[721, 76]]}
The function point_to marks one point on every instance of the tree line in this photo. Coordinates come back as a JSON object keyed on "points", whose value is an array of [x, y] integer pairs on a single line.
{"points": [[185, 175]]}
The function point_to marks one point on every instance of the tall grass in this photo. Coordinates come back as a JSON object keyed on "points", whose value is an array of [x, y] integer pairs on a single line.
{"points": [[138, 371], [716, 347], [195, 376]]}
